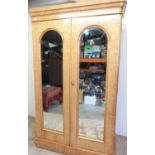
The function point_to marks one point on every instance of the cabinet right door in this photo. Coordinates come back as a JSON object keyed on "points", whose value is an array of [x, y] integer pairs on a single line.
{"points": [[94, 77]]}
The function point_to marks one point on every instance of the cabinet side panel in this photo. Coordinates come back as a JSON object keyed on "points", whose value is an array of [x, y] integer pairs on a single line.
{"points": [[112, 82]]}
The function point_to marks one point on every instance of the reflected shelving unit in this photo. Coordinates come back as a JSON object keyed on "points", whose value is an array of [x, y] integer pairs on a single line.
{"points": [[92, 60]]}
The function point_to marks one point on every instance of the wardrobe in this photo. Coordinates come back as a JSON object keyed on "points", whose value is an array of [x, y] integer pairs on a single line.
{"points": [[76, 65]]}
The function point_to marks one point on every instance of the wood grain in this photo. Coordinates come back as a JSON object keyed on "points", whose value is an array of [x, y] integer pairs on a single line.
{"points": [[86, 4], [57, 147], [111, 25], [38, 30], [70, 20], [81, 9]]}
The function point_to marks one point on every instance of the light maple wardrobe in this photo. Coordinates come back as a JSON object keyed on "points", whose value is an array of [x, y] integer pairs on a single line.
{"points": [[76, 61]]}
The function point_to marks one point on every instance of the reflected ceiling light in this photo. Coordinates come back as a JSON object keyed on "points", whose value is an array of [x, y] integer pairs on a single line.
{"points": [[86, 32]]}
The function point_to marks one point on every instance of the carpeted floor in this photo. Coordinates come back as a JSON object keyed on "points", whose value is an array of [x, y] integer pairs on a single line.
{"points": [[121, 143]]}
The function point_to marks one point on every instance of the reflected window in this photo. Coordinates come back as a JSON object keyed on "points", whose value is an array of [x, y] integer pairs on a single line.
{"points": [[52, 80], [92, 80]]}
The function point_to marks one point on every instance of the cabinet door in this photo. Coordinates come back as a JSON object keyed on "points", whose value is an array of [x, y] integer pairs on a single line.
{"points": [[94, 70], [51, 42]]}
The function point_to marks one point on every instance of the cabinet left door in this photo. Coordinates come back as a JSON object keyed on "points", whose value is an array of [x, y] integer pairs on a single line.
{"points": [[51, 47]]}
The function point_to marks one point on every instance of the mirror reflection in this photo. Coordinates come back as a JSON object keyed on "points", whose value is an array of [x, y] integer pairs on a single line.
{"points": [[92, 80], [52, 80]]}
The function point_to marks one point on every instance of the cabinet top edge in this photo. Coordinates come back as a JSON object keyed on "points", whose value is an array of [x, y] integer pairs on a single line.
{"points": [[78, 5]]}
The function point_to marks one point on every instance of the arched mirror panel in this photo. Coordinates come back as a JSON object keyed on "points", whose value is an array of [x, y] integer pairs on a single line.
{"points": [[92, 82], [52, 80]]}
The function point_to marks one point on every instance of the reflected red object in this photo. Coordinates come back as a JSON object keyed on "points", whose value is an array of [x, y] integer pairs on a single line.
{"points": [[51, 94]]}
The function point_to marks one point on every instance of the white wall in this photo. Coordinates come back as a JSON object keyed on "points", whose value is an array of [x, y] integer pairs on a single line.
{"points": [[121, 113], [31, 100], [121, 118]]}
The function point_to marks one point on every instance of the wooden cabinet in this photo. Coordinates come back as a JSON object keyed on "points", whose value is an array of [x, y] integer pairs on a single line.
{"points": [[76, 61]]}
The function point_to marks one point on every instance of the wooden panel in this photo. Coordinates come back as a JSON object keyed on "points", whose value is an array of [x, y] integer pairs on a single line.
{"points": [[83, 5], [57, 147], [112, 26], [81, 8], [78, 13], [64, 28]]}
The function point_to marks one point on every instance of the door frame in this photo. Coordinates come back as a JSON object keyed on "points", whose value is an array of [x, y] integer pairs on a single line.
{"points": [[111, 24]]}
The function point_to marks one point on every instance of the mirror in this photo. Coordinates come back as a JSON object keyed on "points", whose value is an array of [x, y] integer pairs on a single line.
{"points": [[92, 82], [52, 80]]}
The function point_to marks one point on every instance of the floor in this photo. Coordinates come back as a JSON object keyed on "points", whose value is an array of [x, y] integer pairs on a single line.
{"points": [[121, 143]]}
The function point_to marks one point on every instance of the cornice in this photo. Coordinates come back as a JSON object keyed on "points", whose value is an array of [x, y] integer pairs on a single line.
{"points": [[78, 6]]}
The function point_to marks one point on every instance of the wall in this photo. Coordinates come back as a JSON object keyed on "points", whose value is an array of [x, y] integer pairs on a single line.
{"points": [[121, 113], [121, 118], [31, 100]]}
